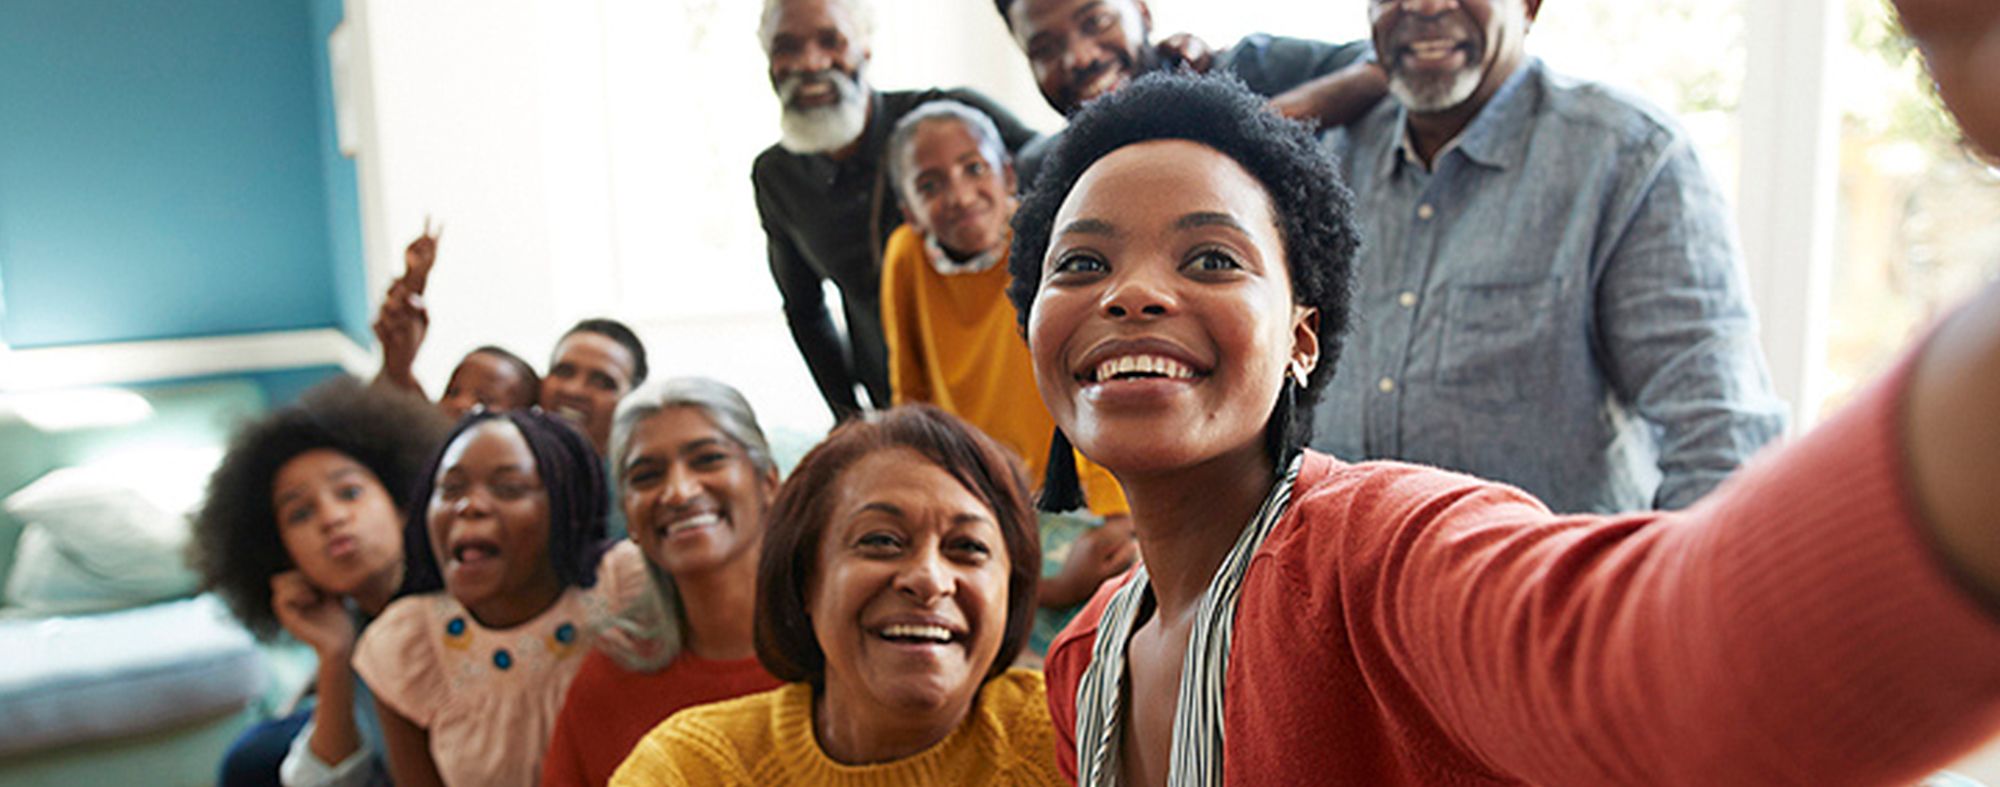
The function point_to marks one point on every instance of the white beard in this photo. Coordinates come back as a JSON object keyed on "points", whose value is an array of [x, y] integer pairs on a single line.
{"points": [[823, 129], [1434, 95]]}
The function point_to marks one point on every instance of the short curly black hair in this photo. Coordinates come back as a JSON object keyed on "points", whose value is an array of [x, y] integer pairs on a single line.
{"points": [[528, 389], [615, 331], [236, 548], [1314, 210], [572, 473]]}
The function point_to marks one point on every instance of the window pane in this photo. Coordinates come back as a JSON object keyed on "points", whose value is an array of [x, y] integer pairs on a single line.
{"points": [[1919, 215], [1687, 56]]}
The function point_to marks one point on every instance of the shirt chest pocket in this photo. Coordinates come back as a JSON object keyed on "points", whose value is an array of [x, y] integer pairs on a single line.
{"points": [[1498, 341]]}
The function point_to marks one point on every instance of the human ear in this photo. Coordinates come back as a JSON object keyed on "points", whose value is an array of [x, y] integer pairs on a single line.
{"points": [[1305, 341]]}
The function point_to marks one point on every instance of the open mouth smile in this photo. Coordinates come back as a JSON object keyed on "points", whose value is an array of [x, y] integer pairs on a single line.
{"points": [[474, 553], [688, 524], [1098, 80], [1130, 367], [920, 634], [1434, 52], [812, 94], [571, 413]]}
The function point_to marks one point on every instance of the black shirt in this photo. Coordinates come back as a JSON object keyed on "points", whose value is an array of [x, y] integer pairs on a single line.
{"points": [[826, 219]]}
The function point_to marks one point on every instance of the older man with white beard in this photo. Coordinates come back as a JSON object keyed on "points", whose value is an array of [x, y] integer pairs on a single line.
{"points": [[1550, 292], [822, 191]]}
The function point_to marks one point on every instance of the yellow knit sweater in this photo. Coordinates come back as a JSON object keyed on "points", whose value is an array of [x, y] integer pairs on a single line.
{"points": [[954, 342], [767, 739]]}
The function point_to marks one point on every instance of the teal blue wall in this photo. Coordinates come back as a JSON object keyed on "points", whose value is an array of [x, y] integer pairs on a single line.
{"points": [[343, 197], [167, 171]]}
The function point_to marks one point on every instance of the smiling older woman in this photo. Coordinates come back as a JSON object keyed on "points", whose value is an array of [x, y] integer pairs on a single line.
{"points": [[896, 584], [696, 479]]}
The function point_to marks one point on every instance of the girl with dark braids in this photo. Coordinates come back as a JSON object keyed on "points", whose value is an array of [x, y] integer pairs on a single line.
{"points": [[509, 577]]}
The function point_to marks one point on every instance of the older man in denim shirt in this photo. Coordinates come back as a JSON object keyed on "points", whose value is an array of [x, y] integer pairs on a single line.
{"points": [[1550, 292]]}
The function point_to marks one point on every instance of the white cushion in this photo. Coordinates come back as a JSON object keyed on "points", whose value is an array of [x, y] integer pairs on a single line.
{"points": [[107, 535], [67, 680]]}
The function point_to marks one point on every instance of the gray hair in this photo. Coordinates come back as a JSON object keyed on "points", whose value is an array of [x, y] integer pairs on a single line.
{"points": [[653, 621], [861, 12], [975, 122], [724, 406]]}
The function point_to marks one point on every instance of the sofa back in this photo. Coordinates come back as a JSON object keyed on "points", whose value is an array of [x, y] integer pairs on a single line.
{"points": [[186, 416]]}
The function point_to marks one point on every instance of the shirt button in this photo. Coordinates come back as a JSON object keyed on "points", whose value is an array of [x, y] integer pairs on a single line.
{"points": [[1387, 385], [1425, 211], [1407, 299]]}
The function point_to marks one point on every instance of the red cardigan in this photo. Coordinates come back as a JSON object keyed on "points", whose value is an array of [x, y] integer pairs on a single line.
{"points": [[1402, 625]]}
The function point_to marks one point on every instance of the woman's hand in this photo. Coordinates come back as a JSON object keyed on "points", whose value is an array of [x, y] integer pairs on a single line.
{"points": [[402, 322], [314, 617], [400, 326], [1099, 554], [419, 256], [319, 620]]}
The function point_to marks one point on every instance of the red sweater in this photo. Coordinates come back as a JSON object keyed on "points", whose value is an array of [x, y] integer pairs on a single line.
{"points": [[1406, 626], [609, 709]]}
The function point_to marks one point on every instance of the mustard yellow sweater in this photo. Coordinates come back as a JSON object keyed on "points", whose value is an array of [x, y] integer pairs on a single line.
{"points": [[767, 739], [954, 342]]}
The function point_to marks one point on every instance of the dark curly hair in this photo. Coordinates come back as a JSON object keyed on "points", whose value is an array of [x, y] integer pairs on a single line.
{"points": [[1314, 211], [571, 472], [789, 562], [236, 548]]}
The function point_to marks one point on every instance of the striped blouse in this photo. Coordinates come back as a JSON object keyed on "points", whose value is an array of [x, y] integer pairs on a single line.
{"points": [[1198, 733]]}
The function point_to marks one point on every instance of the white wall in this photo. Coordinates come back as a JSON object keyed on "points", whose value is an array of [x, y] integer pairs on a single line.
{"points": [[592, 157], [451, 97]]}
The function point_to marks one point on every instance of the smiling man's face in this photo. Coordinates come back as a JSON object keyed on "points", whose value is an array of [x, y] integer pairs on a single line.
{"points": [[817, 50], [1081, 49], [1440, 54]]}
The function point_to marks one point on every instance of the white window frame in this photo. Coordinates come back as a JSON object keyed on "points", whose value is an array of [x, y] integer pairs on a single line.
{"points": [[1789, 183]]}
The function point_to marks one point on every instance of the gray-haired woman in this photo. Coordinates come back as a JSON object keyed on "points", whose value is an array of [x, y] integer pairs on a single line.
{"points": [[695, 478]]}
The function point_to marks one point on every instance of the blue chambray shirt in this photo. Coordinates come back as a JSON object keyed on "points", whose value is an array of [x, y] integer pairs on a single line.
{"points": [[1559, 305]]}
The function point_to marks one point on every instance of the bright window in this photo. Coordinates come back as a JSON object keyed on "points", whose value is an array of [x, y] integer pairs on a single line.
{"points": [[1919, 215]]}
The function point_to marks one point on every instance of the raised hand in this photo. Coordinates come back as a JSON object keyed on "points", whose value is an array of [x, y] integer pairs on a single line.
{"points": [[402, 322], [419, 256], [400, 326]]}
